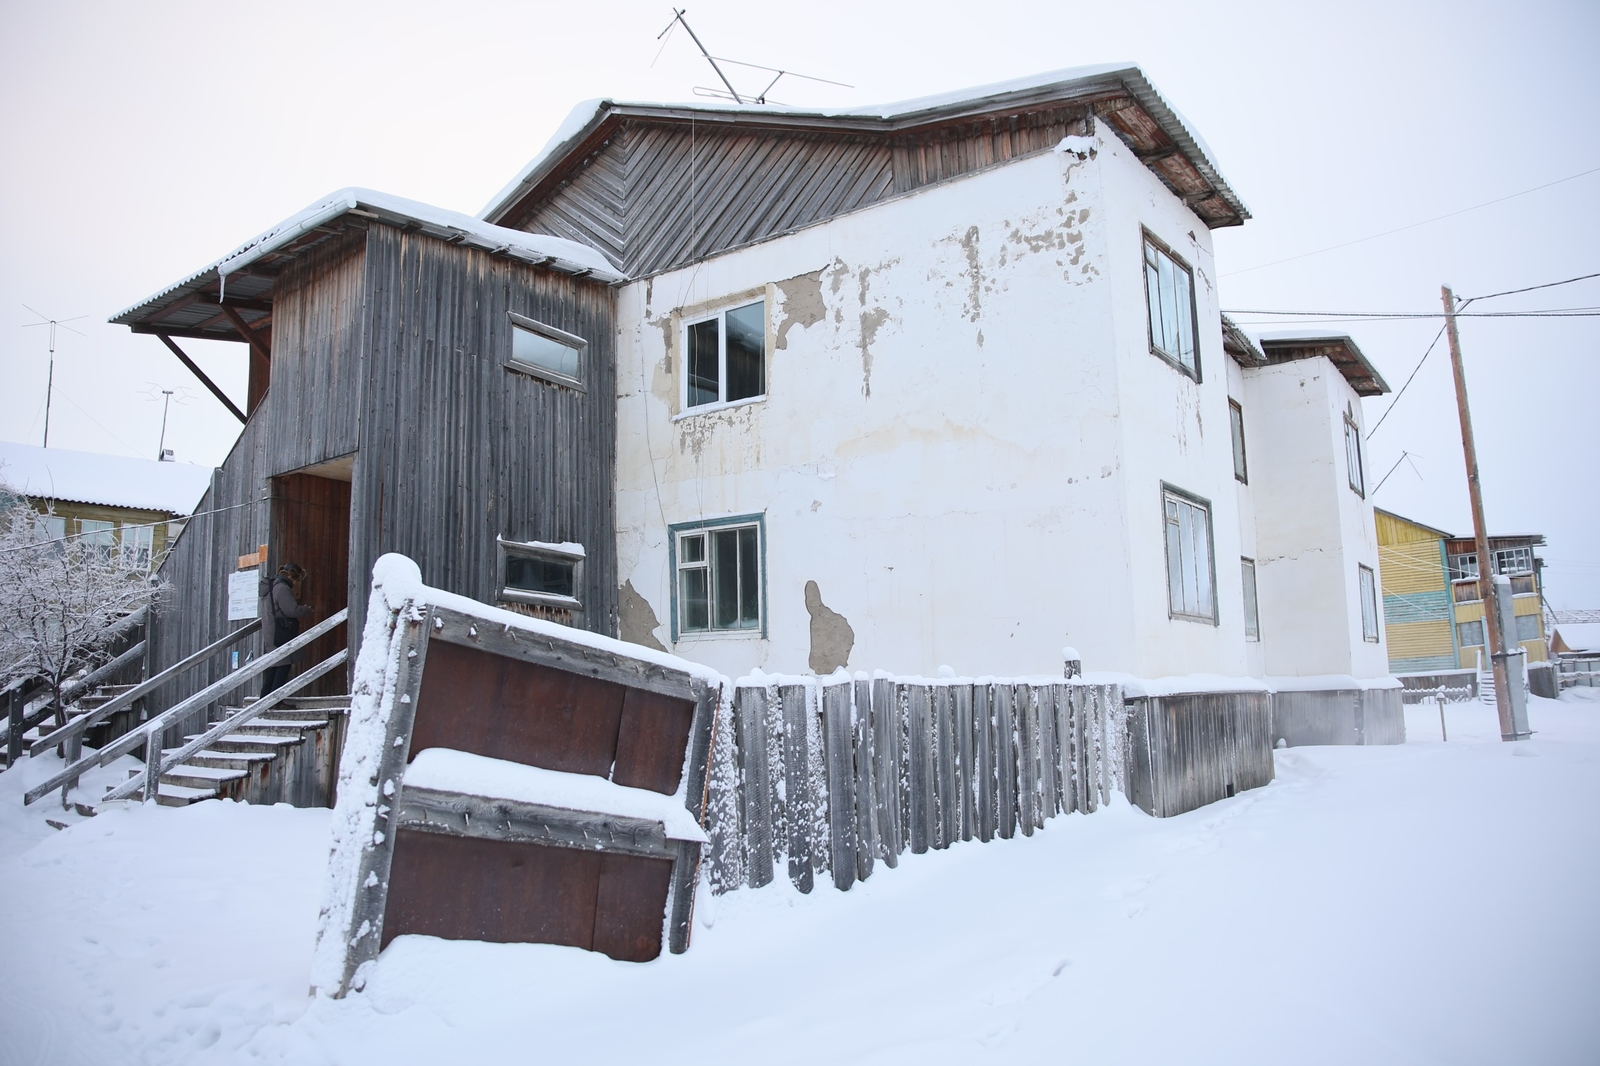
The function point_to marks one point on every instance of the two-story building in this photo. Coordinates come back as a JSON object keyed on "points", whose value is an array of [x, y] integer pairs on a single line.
{"points": [[945, 382]]}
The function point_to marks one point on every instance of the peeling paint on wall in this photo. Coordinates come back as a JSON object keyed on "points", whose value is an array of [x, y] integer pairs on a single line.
{"points": [[637, 618], [969, 245], [831, 635], [802, 304]]}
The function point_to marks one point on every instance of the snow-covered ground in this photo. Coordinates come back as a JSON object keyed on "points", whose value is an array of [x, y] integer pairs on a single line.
{"points": [[1426, 903]]}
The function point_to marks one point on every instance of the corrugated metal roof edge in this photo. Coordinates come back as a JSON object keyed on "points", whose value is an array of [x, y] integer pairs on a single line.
{"points": [[1130, 78], [578, 258]]}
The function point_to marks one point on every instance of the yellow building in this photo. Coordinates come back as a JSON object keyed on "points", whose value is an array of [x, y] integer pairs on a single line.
{"points": [[1417, 608], [1431, 600], [1513, 557]]}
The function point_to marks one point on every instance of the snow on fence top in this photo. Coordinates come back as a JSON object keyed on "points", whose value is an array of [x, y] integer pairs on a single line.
{"points": [[108, 480]]}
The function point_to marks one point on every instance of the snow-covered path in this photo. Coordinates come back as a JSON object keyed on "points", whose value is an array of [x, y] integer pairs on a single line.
{"points": [[1426, 903]]}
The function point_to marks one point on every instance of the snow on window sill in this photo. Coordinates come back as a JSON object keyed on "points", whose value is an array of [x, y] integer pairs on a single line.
{"points": [[699, 635]]}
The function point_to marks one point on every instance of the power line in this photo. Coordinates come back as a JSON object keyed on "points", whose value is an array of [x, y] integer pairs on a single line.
{"points": [[1531, 288], [1406, 386], [1357, 316], [1414, 225]]}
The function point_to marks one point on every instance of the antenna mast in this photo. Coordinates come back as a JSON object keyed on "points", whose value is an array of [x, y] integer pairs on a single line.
{"points": [[50, 381], [677, 17]]}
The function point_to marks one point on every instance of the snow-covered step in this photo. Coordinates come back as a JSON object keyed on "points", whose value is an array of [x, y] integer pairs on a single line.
{"points": [[192, 776], [242, 742], [172, 795], [238, 760], [279, 727]]}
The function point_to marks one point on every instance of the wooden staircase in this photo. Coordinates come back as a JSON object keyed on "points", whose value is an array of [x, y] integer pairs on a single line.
{"points": [[290, 754]]}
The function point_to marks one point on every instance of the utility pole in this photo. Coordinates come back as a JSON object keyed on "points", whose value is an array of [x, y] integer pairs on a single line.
{"points": [[1486, 583]]}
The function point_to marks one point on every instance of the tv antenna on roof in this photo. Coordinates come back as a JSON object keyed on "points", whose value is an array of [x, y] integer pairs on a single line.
{"points": [[50, 382], [732, 93]]}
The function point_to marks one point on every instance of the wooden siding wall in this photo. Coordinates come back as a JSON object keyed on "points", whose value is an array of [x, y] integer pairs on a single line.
{"points": [[1190, 750], [659, 195], [393, 346], [825, 781], [456, 448]]}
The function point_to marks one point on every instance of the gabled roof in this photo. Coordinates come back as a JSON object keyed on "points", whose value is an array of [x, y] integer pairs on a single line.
{"points": [[1288, 346], [1441, 534], [107, 480], [243, 279], [1120, 94]]}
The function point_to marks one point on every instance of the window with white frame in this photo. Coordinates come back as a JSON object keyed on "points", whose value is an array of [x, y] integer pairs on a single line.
{"points": [[725, 356], [1190, 572], [1352, 456], [1236, 420], [1252, 612], [546, 352], [1463, 566], [99, 535], [137, 542], [1513, 560], [546, 575], [719, 576], [50, 527], [1169, 300], [1369, 604]]}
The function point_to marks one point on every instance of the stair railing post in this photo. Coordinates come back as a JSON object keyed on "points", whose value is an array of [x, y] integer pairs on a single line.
{"points": [[152, 762], [15, 706]]}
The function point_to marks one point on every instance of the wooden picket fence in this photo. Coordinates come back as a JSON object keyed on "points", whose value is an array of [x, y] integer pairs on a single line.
{"points": [[827, 777]]}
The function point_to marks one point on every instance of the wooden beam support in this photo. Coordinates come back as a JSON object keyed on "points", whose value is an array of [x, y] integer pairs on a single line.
{"points": [[257, 345], [197, 372]]}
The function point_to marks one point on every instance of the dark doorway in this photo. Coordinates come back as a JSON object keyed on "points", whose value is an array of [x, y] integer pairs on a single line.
{"points": [[311, 526]]}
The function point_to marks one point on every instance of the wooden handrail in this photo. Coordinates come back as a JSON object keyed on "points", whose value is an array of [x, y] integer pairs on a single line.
{"points": [[216, 690], [150, 780], [79, 725]]}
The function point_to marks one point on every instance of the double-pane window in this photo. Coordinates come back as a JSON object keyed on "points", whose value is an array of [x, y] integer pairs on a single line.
{"points": [[1352, 457], [1169, 295], [1470, 633], [136, 545], [1513, 560], [1528, 627], [1252, 611], [1236, 421], [547, 575], [727, 356], [1189, 571], [719, 579], [101, 536], [1369, 604]]}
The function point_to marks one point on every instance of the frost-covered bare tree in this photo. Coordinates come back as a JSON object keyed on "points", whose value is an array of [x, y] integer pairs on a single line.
{"points": [[60, 601]]}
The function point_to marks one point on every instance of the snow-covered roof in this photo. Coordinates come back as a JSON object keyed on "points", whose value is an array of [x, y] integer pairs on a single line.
{"points": [[555, 252], [1579, 636], [1074, 82], [107, 480]]}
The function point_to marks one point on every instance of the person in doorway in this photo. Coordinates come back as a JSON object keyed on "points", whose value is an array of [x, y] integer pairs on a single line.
{"points": [[281, 612]]}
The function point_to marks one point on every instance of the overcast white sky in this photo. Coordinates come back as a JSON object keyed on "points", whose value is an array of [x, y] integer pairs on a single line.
{"points": [[145, 140]]}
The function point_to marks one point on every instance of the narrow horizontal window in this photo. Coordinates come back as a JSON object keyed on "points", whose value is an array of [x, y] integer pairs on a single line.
{"points": [[550, 575], [547, 352], [726, 356]]}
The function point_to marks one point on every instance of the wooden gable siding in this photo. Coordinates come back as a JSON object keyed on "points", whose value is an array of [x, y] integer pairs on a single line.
{"points": [[318, 326], [658, 195], [457, 448], [394, 346]]}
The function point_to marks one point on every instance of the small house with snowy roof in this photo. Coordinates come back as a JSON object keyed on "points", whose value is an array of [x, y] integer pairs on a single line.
{"points": [[944, 382], [133, 507]]}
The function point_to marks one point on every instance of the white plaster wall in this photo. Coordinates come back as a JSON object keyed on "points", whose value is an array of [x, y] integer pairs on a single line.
{"points": [[1244, 493], [940, 452], [1312, 529], [1175, 430]]}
